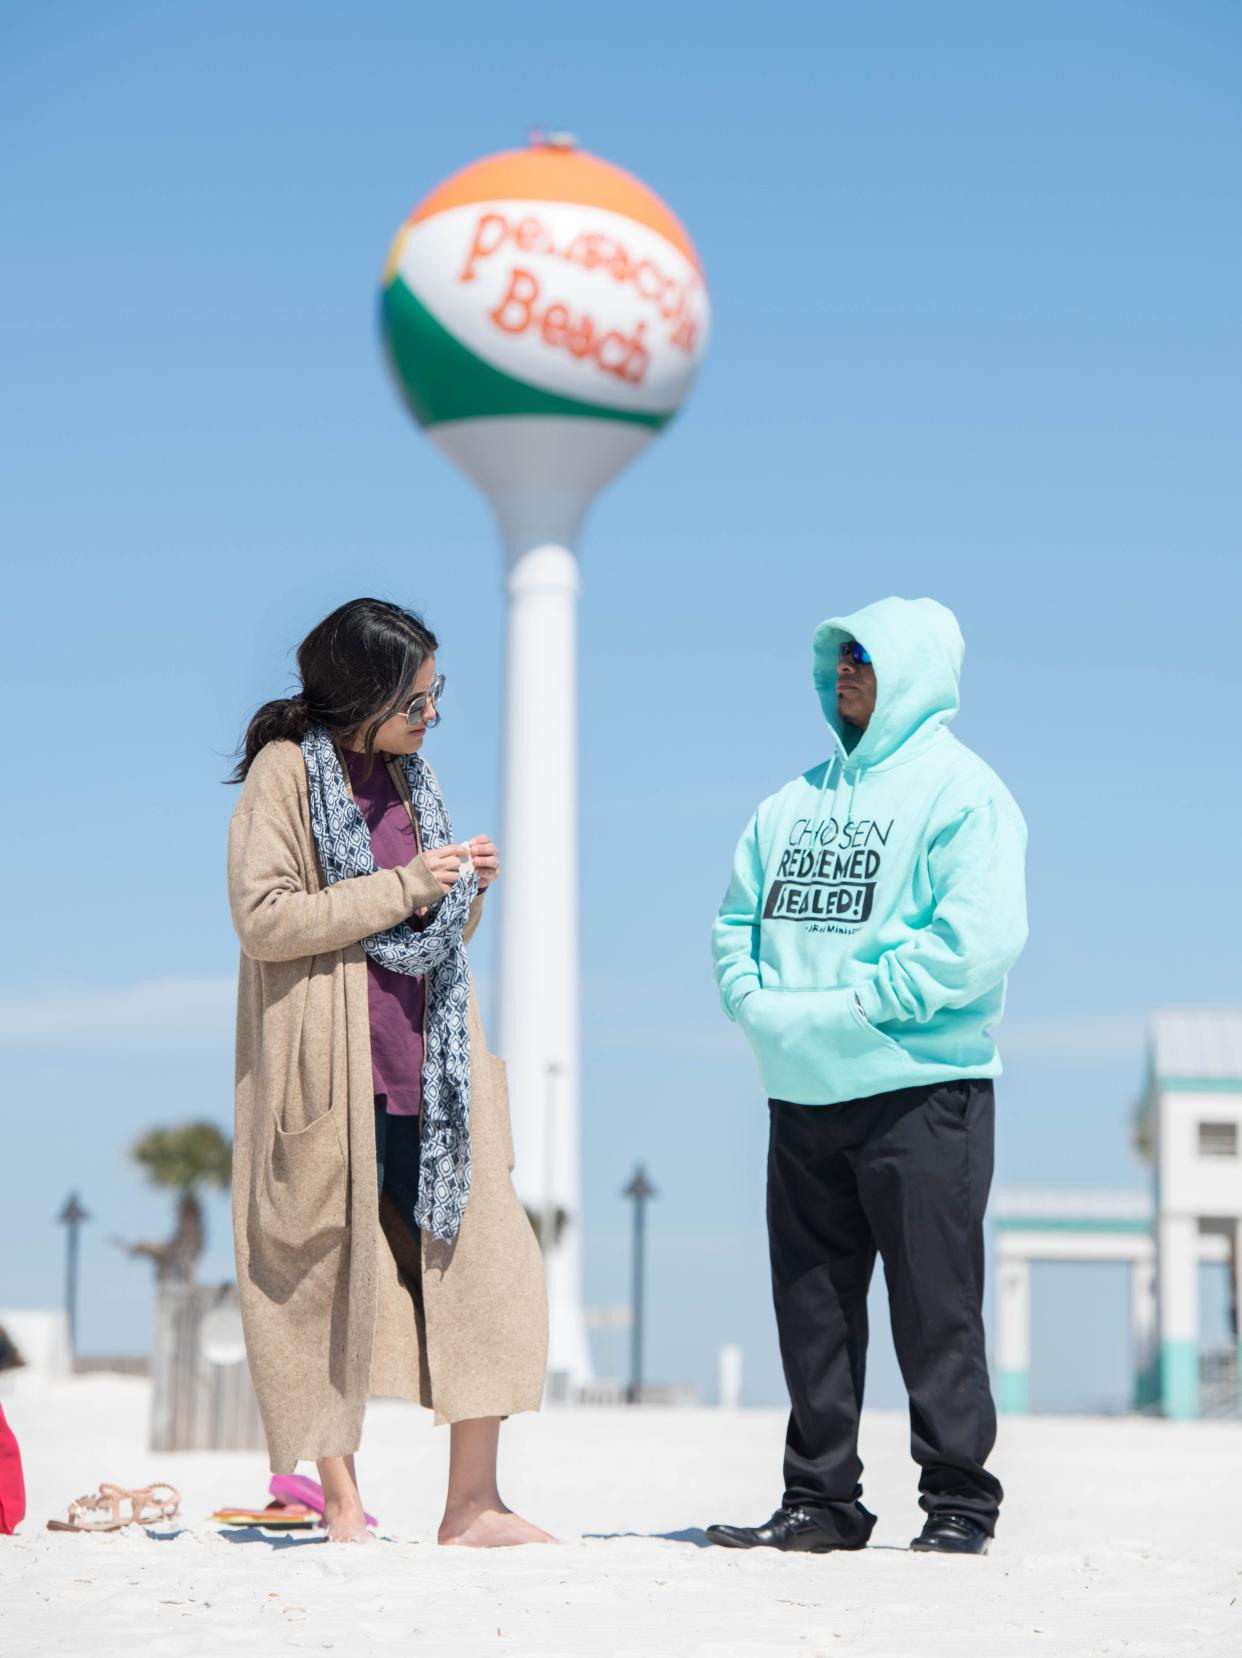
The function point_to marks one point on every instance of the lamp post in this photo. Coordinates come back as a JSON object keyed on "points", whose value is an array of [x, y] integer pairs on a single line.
{"points": [[639, 1190], [71, 1217]]}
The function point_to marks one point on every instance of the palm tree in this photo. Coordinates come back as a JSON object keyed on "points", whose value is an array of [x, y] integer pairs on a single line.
{"points": [[183, 1160]]}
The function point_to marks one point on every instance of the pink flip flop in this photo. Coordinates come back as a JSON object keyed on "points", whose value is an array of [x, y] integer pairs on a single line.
{"points": [[296, 1488]]}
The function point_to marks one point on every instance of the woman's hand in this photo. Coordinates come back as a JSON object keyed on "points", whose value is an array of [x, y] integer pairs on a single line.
{"points": [[486, 859], [444, 862]]}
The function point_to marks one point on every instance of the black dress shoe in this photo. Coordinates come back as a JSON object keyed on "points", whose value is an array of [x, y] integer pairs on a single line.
{"points": [[795, 1530], [952, 1534]]}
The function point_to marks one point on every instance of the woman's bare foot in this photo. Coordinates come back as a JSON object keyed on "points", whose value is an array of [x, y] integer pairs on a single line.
{"points": [[344, 1518], [345, 1522], [474, 1516], [489, 1528]]}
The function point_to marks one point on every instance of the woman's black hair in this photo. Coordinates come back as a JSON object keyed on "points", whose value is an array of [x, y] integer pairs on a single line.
{"points": [[354, 667]]}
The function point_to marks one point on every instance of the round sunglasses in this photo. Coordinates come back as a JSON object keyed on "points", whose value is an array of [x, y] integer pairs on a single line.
{"points": [[416, 713]]}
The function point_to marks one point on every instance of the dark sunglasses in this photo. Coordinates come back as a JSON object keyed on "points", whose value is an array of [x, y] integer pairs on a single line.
{"points": [[852, 651]]}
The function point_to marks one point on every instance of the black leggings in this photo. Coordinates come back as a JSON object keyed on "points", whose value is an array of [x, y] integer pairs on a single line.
{"points": [[397, 1145]]}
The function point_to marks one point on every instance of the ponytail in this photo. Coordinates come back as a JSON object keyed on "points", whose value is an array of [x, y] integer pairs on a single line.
{"points": [[284, 720]]}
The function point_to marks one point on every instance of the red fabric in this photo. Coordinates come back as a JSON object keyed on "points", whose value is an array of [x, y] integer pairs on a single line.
{"points": [[12, 1486]]}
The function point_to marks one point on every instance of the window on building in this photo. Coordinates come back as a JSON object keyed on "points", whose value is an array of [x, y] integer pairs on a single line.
{"points": [[1218, 1139]]}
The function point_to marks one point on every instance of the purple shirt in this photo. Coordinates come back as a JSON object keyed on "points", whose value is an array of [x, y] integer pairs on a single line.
{"points": [[397, 1000]]}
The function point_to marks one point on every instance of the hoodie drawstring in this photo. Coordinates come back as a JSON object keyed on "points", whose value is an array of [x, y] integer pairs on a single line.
{"points": [[850, 777]]}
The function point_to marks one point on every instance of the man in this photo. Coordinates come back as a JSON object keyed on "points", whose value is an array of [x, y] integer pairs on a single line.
{"points": [[876, 905]]}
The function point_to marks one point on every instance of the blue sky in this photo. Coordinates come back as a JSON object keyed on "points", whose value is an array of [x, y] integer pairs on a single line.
{"points": [[974, 273]]}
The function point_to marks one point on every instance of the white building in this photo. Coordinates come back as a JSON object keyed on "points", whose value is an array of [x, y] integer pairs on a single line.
{"points": [[1190, 1123]]}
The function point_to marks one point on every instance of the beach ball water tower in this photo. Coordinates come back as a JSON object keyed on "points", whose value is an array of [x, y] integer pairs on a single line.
{"points": [[544, 314]]}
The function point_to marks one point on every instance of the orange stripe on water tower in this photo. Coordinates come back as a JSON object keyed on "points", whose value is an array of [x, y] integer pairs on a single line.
{"points": [[548, 173]]}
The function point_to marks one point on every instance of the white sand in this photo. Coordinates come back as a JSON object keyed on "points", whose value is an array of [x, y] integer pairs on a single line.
{"points": [[1119, 1537]]}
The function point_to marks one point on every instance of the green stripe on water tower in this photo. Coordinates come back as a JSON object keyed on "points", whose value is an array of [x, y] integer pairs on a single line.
{"points": [[441, 380]]}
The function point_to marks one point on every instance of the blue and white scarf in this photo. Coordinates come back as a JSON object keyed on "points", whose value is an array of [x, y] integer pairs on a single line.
{"points": [[435, 952]]}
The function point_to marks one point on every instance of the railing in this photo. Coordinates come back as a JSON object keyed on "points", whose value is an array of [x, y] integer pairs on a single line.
{"points": [[201, 1394], [652, 1393], [1219, 1382]]}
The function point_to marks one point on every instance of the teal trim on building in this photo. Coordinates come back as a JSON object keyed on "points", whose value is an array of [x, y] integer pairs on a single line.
{"points": [[1200, 1085], [1049, 1223], [1147, 1386], [1013, 1392], [1179, 1379]]}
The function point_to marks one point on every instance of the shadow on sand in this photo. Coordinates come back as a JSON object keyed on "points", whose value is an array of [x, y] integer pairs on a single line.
{"points": [[692, 1535], [700, 1540], [274, 1540]]}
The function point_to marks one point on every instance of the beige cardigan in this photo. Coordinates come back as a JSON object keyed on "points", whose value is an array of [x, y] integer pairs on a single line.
{"points": [[339, 1301]]}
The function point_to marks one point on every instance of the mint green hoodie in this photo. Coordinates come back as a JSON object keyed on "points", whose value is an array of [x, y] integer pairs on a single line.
{"points": [[877, 901]]}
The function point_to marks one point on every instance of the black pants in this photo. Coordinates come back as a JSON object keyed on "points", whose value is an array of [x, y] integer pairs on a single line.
{"points": [[906, 1174]]}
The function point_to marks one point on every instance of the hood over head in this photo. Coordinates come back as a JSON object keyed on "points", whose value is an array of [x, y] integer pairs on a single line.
{"points": [[916, 649]]}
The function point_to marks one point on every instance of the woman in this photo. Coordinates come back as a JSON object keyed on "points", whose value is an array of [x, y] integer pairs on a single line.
{"points": [[381, 1248]]}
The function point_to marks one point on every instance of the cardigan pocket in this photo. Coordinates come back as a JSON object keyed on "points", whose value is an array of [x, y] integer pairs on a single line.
{"points": [[302, 1197]]}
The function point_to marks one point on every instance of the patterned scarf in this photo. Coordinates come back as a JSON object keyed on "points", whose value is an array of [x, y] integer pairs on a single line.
{"points": [[435, 952]]}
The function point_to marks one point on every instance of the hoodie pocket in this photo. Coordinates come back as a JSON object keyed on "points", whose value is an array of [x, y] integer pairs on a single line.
{"points": [[302, 1199], [872, 1030], [816, 1047]]}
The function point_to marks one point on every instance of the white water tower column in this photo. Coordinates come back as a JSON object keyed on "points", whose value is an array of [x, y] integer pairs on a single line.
{"points": [[544, 314], [538, 1033]]}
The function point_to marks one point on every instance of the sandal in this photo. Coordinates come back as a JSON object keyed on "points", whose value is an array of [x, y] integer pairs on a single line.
{"points": [[297, 1490], [147, 1506]]}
